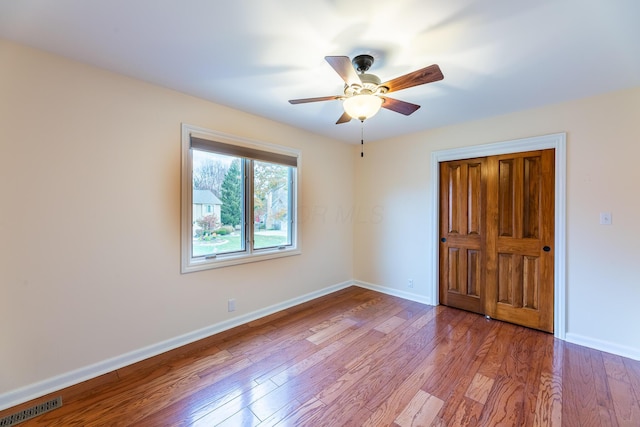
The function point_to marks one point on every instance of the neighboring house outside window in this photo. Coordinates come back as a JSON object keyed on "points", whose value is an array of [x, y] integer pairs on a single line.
{"points": [[204, 203]]}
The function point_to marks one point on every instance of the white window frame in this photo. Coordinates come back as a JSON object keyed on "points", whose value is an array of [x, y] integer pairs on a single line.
{"points": [[188, 262]]}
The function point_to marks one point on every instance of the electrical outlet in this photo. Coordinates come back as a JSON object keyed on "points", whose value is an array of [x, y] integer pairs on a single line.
{"points": [[411, 283], [231, 305], [605, 218]]}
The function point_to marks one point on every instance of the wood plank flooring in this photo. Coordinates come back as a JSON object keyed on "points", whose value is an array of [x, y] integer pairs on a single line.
{"points": [[361, 358]]}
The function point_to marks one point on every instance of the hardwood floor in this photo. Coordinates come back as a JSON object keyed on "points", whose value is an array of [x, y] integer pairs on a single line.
{"points": [[360, 358]]}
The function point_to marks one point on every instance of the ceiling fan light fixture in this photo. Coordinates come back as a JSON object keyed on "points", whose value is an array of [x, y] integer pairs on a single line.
{"points": [[362, 106]]}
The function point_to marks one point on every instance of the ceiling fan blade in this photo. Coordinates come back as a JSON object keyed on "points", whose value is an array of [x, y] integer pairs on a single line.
{"points": [[398, 106], [321, 98], [428, 74], [343, 66], [344, 118]]}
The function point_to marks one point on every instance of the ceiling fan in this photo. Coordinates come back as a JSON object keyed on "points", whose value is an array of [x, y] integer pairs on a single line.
{"points": [[363, 92]]}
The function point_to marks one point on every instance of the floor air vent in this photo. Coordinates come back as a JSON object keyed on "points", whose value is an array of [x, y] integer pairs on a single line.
{"points": [[34, 411]]}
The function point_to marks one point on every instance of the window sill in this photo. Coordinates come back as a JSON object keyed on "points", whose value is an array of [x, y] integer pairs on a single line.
{"points": [[190, 266]]}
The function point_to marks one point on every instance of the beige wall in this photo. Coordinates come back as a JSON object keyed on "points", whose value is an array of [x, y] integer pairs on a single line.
{"points": [[603, 147], [86, 274], [90, 218]]}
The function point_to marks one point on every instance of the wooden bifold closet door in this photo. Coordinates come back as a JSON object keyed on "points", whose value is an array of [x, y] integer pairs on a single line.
{"points": [[496, 237]]}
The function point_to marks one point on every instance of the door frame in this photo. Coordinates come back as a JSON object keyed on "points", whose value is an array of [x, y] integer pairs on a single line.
{"points": [[557, 141]]}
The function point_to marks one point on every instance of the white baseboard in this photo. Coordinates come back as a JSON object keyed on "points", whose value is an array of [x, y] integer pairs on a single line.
{"points": [[394, 292], [606, 346], [33, 391]]}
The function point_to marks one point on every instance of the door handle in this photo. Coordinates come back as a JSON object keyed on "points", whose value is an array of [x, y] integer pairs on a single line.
{"points": [[546, 248], [444, 239]]}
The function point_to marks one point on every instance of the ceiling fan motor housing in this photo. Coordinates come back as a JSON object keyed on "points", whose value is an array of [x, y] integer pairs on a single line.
{"points": [[370, 85]]}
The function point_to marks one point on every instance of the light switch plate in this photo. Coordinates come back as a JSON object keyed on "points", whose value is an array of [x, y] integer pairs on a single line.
{"points": [[605, 218]]}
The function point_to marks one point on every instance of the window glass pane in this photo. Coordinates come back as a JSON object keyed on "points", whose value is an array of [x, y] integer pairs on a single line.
{"points": [[271, 205], [217, 204]]}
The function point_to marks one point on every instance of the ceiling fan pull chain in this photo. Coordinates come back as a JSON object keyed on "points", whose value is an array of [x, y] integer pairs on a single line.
{"points": [[361, 138]]}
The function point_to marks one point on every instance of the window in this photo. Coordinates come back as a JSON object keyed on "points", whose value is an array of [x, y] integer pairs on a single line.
{"points": [[239, 200]]}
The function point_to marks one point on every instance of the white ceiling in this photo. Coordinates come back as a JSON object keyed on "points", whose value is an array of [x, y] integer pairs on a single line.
{"points": [[497, 56]]}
